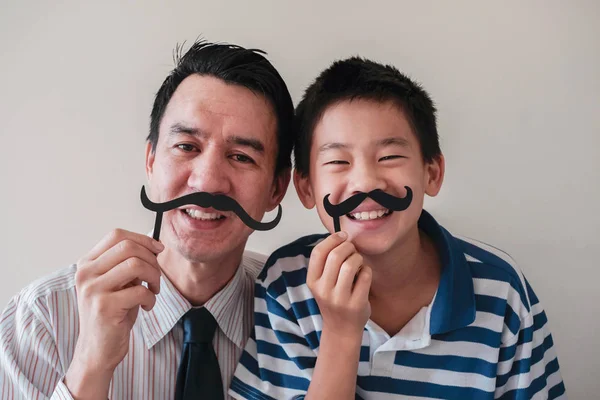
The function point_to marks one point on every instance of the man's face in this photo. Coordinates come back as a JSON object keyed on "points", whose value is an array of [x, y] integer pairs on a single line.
{"points": [[222, 139], [360, 146]]}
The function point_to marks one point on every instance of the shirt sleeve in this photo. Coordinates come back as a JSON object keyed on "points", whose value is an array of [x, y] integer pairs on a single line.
{"points": [[528, 365], [280, 356], [30, 366]]}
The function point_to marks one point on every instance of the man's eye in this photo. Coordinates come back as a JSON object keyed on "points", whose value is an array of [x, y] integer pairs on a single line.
{"points": [[186, 147], [392, 157], [243, 158]]}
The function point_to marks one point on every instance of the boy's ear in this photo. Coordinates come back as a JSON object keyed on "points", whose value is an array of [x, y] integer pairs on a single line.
{"points": [[434, 175], [305, 194], [280, 186]]}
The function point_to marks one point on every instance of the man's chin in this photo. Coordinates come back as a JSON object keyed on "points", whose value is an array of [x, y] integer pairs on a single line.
{"points": [[204, 249], [200, 254]]}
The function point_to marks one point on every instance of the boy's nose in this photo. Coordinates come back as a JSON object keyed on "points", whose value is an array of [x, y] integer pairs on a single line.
{"points": [[365, 179]]}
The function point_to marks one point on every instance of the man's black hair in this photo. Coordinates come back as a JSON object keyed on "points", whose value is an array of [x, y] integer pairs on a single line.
{"points": [[235, 65]]}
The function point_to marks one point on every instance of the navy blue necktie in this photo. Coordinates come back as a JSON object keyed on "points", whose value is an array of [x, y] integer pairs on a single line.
{"points": [[199, 376]]}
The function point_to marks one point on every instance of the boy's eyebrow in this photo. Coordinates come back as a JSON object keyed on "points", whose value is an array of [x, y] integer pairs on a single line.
{"points": [[254, 144], [398, 141], [332, 146]]}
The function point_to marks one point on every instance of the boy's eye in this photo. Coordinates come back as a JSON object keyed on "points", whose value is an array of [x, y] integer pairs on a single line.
{"points": [[242, 158], [391, 157], [337, 162], [186, 147]]}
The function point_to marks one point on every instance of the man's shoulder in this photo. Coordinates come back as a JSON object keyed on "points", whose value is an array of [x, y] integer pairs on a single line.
{"points": [[42, 298], [253, 262], [61, 280]]}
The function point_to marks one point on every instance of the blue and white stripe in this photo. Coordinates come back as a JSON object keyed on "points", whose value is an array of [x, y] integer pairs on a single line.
{"points": [[484, 336]]}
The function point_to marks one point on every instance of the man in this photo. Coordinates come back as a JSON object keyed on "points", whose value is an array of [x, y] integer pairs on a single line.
{"points": [[220, 124], [392, 305]]}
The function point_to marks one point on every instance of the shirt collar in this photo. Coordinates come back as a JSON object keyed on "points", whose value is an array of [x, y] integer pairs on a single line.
{"points": [[228, 306], [454, 304]]}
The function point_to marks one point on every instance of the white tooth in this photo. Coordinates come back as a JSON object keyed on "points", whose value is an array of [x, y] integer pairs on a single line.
{"points": [[364, 215], [373, 214], [197, 214], [380, 213], [356, 215]]}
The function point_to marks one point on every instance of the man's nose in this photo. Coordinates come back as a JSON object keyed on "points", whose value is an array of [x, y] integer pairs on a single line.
{"points": [[210, 173]]}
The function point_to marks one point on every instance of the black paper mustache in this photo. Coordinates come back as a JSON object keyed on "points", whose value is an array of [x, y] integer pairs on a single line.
{"points": [[386, 200], [219, 202]]}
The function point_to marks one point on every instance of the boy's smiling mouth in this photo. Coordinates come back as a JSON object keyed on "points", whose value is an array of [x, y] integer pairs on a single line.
{"points": [[369, 215]]}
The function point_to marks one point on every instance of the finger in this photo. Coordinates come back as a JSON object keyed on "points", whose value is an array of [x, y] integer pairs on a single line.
{"points": [[334, 262], [133, 283], [118, 235], [348, 273], [319, 254], [362, 286], [129, 271], [133, 297], [119, 253]]}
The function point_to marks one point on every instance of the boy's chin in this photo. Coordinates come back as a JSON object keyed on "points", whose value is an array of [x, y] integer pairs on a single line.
{"points": [[373, 245]]}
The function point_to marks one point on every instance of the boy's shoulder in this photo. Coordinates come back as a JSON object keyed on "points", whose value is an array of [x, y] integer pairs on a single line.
{"points": [[488, 264], [291, 258]]}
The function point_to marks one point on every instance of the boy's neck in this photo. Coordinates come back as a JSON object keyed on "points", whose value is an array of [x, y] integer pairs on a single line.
{"points": [[410, 264], [405, 279]]}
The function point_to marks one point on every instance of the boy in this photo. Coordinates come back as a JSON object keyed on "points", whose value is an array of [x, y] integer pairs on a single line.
{"points": [[393, 305]]}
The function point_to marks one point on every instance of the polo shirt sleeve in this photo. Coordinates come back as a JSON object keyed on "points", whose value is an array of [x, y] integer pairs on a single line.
{"points": [[528, 365], [279, 357]]}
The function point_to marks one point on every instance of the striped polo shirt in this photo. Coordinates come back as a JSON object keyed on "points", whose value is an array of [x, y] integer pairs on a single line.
{"points": [[483, 336]]}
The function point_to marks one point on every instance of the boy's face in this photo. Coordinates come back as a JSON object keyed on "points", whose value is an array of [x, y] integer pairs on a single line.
{"points": [[360, 146]]}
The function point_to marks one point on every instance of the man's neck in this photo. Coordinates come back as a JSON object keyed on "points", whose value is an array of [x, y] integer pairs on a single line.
{"points": [[198, 282]]}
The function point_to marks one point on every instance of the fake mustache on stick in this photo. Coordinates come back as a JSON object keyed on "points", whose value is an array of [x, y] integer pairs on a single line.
{"points": [[382, 198], [219, 202]]}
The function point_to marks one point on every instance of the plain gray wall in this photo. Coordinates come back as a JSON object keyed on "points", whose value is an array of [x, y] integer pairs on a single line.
{"points": [[517, 86]]}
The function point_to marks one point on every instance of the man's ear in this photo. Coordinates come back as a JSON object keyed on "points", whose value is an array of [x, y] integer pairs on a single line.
{"points": [[304, 190], [280, 186], [150, 154], [434, 175]]}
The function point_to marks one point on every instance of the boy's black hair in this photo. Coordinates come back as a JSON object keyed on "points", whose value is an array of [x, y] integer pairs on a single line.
{"points": [[239, 66], [359, 78]]}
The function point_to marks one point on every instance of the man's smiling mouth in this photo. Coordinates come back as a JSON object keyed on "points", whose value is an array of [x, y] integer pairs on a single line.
{"points": [[203, 216]]}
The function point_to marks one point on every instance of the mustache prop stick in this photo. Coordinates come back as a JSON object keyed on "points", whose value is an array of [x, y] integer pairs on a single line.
{"points": [[219, 202], [388, 201]]}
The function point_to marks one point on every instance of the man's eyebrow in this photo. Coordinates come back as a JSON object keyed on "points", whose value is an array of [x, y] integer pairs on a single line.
{"points": [[178, 129], [332, 146], [397, 141], [254, 144]]}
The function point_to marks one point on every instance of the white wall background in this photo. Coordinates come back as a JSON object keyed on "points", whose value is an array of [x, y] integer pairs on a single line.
{"points": [[517, 85]]}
